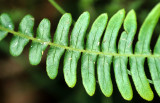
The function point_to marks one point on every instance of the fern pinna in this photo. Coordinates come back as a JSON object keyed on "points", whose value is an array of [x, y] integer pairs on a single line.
{"points": [[94, 52]]}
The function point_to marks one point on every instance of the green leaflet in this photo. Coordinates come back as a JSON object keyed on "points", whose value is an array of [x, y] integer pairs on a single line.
{"points": [[120, 63], [143, 47], [6, 22], [76, 41], [18, 43], [154, 67], [109, 45], [88, 60], [37, 49], [61, 38], [90, 55]]}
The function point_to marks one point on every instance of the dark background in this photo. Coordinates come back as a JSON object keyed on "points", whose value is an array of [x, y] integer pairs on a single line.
{"points": [[21, 82]]}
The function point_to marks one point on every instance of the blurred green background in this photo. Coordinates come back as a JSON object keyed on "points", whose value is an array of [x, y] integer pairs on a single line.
{"points": [[21, 82]]}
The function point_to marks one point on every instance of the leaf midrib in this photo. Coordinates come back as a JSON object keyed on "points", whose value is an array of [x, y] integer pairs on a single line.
{"points": [[75, 49]]}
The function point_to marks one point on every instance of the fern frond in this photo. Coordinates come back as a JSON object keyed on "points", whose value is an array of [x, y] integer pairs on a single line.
{"points": [[76, 41], [6, 22], [143, 47], [55, 53], [36, 49], [109, 45], [88, 60], [18, 43], [94, 51], [120, 63]]}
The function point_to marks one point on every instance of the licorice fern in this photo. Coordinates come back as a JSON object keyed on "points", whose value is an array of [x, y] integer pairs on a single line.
{"points": [[94, 51]]}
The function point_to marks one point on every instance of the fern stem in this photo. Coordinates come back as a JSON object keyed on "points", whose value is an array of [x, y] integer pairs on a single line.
{"points": [[74, 49], [79, 50], [59, 8]]}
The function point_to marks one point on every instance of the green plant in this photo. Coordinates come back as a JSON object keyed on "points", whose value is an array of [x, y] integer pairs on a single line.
{"points": [[104, 52]]}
